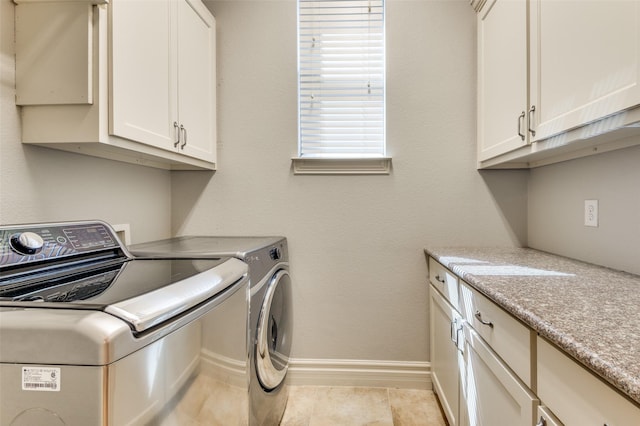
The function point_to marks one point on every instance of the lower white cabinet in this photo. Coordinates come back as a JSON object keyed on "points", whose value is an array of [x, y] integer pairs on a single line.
{"points": [[491, 394], [576, 396], [445, 328], [475, 386], [486, 366]]}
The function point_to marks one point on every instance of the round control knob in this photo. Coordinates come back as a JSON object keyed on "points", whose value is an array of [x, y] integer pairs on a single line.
{"points": [[27, 242], [275, 253]]}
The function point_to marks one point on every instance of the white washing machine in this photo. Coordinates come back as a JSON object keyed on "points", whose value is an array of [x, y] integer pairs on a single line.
{"points": [[270, 310]]}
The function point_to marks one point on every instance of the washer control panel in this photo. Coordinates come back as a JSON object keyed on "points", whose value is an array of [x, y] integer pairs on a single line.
{"points": [[43, 242]]}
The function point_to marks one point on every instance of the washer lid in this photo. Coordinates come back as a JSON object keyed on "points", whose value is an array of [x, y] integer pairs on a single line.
{"points": [[144, 293], [150, 309]]}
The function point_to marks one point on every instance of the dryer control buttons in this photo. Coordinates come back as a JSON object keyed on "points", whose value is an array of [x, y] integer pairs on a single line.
{"points": [[275, 253]]}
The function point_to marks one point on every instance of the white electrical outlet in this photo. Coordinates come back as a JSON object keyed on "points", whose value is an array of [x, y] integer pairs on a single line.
{"points": [[591, 213]]}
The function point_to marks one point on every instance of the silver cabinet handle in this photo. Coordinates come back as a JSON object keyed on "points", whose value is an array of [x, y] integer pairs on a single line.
{"points": [[541, 422], [177, 131], [456, 328], [454, 333], [520, 120], [441, 280], [529, 121], [478, 316], [184, 140]]}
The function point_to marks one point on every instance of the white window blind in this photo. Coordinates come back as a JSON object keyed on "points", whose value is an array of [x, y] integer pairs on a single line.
{"points": [[341, 77]]}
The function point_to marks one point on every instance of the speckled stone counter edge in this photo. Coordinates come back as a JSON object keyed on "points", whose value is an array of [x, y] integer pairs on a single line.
{"points": [[626, 382]]}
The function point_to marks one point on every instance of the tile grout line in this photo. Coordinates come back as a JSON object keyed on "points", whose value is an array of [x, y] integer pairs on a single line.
{"points": [[389, 404], [313, 405]]}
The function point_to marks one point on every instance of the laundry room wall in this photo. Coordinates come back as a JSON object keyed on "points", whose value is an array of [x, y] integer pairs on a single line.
{"points": [[40, 185], [356, 242], [556, 209]]}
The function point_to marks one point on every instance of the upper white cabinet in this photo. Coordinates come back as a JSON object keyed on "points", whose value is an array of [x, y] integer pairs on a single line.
{"points": [[151, 73], [162, 80], [196, 80], [144, 70], [502, 78], [557, 79], [585, 62]]}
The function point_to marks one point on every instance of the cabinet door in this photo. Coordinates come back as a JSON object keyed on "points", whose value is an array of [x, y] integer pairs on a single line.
{"points": [[577, 396], [444, 354], [587, 62], [502, 77], [491, 392], [143, 91], [197, 79]]}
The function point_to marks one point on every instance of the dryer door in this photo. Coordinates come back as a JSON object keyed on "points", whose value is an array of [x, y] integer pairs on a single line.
{"points": [[274, 332]]}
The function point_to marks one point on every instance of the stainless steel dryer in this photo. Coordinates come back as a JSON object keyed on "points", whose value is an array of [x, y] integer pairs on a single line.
{"points": [[270, 311]]}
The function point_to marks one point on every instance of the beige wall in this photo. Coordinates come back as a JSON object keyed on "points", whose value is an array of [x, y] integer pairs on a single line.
{"points": [[556, 209], [356, 241], [39, 184]]}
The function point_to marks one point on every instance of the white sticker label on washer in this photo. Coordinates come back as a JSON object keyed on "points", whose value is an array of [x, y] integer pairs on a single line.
{"points": [[45, 379]]}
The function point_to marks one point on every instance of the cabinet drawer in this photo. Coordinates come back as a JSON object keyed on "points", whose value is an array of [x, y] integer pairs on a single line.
{"points": [[508, 337], [444, 281], [577, 396]]}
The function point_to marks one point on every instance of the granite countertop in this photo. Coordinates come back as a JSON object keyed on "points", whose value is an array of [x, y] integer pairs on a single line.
{"points": [[591, 312]]}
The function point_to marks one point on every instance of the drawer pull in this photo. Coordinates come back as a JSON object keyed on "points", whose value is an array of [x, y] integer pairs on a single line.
{"points": [[478, 316], [541, 422], [441, 280]]}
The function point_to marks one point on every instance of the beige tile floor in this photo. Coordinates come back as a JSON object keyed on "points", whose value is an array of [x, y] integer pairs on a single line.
{"points": [[356, 406]]}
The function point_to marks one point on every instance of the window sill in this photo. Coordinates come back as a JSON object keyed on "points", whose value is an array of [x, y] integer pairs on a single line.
{"points": [[341, 166]]}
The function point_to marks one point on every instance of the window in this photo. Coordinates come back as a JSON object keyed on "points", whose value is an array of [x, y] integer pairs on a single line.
{"points": [[341, 83]]}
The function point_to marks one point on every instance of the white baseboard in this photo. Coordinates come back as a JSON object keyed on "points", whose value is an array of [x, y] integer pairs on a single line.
{"points": [[369, 373], [224, 369]]}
